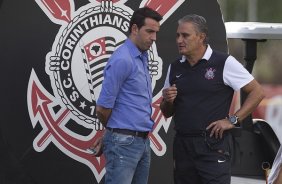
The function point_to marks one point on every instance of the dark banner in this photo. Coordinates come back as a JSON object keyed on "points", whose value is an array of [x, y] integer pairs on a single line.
{"points": [[52, 56]]}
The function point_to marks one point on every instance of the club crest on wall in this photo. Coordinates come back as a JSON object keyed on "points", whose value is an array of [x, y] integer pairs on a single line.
{"points": [[86, 39]]}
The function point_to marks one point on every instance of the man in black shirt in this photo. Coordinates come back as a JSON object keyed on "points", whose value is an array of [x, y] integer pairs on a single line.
{"points": [[198, 92]]}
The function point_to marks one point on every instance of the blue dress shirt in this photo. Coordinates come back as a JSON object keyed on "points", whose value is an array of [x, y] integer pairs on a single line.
{"points": [[127, 89]]}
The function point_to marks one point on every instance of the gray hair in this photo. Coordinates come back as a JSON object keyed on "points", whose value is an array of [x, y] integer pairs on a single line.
{"points": [[199, 22]]}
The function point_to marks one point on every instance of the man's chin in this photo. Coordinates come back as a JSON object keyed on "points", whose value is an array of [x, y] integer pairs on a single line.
{"points": [[181, 52], [147, 48]]}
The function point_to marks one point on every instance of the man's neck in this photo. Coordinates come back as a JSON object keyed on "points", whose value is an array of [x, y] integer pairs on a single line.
{"points": [[196, 57]]}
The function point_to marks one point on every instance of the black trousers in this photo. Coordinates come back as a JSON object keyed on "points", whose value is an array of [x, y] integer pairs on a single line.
{"points": [[202, 160]]}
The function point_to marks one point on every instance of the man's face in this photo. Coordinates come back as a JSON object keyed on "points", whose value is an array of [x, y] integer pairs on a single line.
{"points": [[188, 39], [147, 34]]}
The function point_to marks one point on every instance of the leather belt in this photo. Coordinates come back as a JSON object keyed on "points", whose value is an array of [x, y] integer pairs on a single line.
{"points": [[144, 135]]}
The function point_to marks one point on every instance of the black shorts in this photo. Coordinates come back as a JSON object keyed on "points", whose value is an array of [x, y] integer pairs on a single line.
{"points": [[202, 160]]}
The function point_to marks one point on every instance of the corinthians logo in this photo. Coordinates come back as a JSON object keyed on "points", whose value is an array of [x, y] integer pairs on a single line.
{"points": [[85, 41]]}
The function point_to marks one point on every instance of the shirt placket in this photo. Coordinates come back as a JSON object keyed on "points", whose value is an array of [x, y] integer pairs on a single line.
{"points": [[147, 75]]}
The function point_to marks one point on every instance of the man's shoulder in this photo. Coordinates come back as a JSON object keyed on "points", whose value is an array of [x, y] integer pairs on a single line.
{"points": [[178, 60], [121, 53], [220, 53], [121, 57], [218, 57], [177, 64], [122, 49]]}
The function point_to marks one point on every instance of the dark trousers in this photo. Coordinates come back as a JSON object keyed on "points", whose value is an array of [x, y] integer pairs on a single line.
{"points": [[202, 160]]}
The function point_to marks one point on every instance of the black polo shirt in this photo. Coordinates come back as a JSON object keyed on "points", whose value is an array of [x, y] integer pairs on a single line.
{"points": [[202, 96]]}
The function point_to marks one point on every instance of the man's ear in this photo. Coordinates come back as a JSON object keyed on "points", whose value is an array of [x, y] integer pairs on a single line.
{"points": [[134, 29], [203, 36]]}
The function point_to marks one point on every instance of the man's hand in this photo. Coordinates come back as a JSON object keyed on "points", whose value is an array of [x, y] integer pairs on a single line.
{"points": [[218, 127], [98, 147], [170, 93]]}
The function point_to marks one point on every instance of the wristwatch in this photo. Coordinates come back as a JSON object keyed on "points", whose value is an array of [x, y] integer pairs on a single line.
{"points": [[233, 119]]}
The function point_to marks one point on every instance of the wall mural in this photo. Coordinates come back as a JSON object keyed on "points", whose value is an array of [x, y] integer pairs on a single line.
{"points": [[55, 52]]}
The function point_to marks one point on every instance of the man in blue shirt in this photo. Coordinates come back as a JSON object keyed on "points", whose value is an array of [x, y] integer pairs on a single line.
{"points": [[124, 104]]}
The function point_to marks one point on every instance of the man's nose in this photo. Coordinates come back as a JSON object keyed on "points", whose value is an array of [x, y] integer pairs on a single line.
{"points": [[154, 36], [179, 39]]}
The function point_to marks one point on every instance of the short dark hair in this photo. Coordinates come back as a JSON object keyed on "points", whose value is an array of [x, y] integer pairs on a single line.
{"points": [[199, 22], [141, 14]]}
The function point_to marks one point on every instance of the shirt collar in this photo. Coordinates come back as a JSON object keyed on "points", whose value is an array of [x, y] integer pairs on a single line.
{"points": [[206, 56], [135, 52]]}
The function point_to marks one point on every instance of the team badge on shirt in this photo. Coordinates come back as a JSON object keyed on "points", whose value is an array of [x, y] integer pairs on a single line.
{"points": [[210, 73]]}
